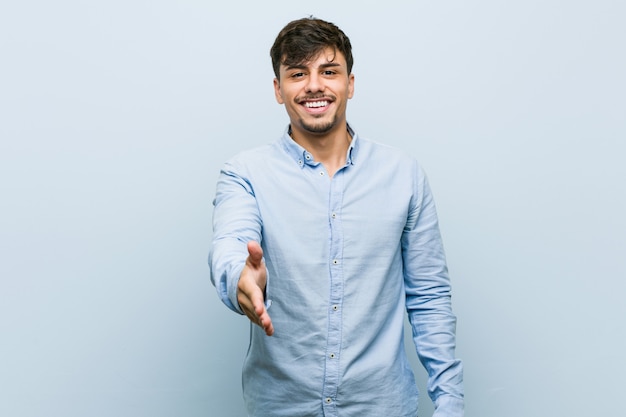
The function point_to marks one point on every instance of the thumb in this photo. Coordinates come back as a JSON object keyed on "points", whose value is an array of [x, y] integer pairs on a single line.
{"points": [[255, 254]]}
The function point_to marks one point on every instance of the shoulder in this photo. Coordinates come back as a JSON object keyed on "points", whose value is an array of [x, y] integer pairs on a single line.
{"points": [[254, 153], [252, 158], [374, 152]]}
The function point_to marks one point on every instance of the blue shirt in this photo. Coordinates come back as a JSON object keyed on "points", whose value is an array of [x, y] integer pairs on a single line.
{"points": [[346, 257]]}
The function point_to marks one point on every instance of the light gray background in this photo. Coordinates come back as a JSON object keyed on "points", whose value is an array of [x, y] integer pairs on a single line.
{"points": [[116, 116]]}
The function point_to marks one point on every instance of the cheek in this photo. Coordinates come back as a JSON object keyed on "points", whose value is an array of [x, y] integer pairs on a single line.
{"points": [[287, 95]]}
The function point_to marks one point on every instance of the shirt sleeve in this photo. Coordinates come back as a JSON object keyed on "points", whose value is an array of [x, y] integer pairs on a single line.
{"points": [[428, 301], [236, 221]]}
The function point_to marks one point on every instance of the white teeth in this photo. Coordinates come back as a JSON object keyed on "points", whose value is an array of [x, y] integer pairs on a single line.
{"points": [[315, 104]]}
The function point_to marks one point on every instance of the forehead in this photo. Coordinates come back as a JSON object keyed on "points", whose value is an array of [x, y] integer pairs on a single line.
{"points": [[326, 55]]}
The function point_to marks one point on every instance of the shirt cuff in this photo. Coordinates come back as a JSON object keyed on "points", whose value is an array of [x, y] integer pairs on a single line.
{"points": [[449, 406], [233, 280]]}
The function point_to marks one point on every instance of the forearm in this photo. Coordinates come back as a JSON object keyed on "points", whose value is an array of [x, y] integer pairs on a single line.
{"points": [[236, 221], [226, 261], [435, 342]]}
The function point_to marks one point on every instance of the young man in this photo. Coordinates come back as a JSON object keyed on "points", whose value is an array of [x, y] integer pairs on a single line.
{"points": [[323, 239]]}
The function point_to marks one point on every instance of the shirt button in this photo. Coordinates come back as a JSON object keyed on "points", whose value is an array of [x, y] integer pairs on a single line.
{"points": [[308, 157], [335, 307], [322, 174], [332, 356], [335, 262], [329, 400], [300, 162], [334, 215]]}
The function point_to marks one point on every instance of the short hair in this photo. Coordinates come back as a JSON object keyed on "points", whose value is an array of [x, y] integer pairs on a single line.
{"points": [[301, 40]]}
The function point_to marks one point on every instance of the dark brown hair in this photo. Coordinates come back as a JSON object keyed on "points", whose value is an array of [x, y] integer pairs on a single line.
{"points": [[301, 40]]}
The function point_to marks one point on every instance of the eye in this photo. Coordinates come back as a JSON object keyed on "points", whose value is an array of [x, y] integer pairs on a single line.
{"points": [[297, 75], [329, 72]]}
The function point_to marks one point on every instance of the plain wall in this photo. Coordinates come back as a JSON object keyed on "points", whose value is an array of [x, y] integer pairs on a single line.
{"points": [[115, 118]]}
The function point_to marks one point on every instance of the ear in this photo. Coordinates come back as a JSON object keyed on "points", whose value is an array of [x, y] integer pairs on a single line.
{"points": [[277, 93], [350, 85]]}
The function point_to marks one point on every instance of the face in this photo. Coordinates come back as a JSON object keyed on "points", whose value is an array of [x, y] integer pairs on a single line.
{"points": [[316, 93]]}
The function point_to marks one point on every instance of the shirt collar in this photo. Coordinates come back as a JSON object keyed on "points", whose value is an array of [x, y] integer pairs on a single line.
{"points": [[301, 156]]}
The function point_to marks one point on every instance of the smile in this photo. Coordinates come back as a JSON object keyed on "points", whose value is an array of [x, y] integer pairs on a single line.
{"points": [[316, 104]]}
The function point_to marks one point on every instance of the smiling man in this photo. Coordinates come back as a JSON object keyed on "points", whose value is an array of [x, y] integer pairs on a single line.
{"points": [[325, 240]]}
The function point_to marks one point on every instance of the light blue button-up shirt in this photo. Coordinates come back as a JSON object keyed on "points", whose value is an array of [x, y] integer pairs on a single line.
{"points": [[346, 257]]}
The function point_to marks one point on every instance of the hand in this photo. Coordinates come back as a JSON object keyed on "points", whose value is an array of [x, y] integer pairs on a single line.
{"points": [[251, 289]]}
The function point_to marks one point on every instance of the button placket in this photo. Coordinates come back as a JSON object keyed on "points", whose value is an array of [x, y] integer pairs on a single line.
{"points": [[333, 347]]}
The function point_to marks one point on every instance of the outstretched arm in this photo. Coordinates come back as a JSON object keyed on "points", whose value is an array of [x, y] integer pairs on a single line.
{"points": [[236, 258]]}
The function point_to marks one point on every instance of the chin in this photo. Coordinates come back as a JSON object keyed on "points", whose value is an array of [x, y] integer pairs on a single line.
{"points": [[318, 128]]}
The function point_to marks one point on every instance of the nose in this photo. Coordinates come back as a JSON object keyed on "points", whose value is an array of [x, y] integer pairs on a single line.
{"points": [[314, 83]]}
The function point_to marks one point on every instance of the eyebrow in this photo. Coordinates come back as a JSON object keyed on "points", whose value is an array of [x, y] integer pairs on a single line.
{"points": [[302, 66]]}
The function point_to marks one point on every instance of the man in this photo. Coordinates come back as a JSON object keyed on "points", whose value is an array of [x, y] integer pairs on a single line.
{"points": [[323, 239]]}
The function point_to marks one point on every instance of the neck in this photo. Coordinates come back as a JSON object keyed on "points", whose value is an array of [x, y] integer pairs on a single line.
{"points": [[329, 149]]}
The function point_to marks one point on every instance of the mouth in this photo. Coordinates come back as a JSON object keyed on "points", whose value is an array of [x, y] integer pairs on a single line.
{"points": [[316, 105]]}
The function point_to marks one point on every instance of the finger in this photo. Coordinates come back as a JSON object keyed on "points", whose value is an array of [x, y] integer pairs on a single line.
{"points": [[251, 305], [250, 298], [255, 253], [268, 327], [266, 323], [261, 318]]}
